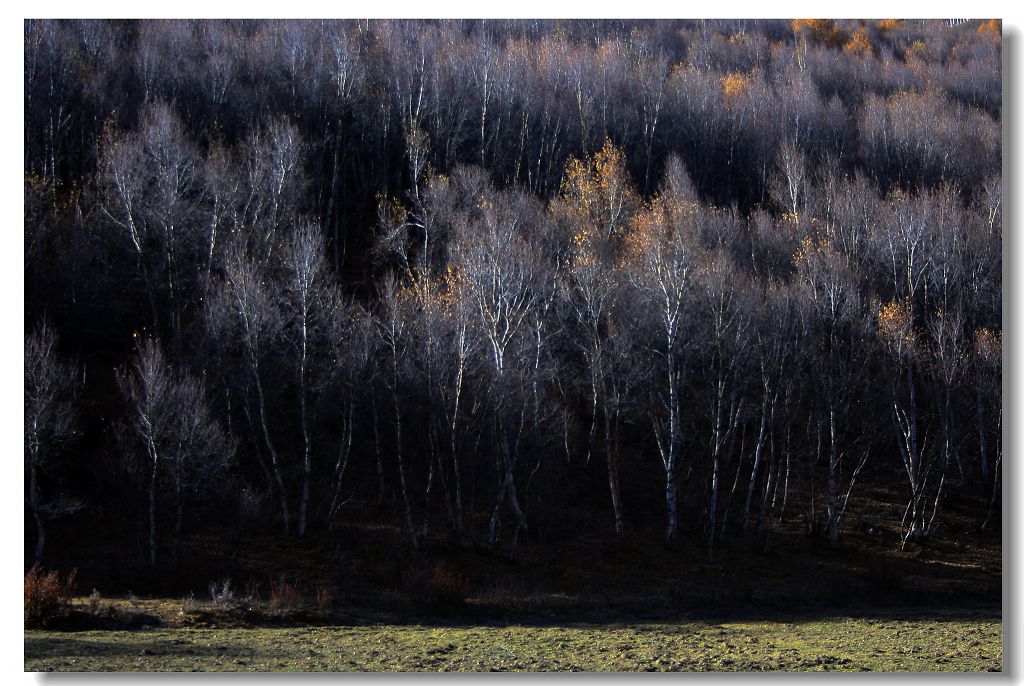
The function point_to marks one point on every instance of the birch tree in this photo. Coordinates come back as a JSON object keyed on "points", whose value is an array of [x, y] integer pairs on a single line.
{"points": [[304, 288], [50, 420], [242, 313], [662, 260], [500, 271], [174, 431]]}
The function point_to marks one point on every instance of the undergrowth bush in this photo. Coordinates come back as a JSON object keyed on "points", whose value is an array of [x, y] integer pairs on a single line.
{"points": [[284, 596], [47, 596], [189, 604], [223, 596], [448, 586], [324, 598]]}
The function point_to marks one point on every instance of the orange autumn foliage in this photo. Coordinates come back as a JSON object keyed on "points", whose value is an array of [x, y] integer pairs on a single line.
{"points": [[599, 190], [895, 327], [860, 44], [988, 345], [820, 31], [885, 26], [734, 85], [992, 28]]}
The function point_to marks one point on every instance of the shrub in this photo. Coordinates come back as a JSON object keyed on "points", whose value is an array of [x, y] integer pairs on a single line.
{"points": [[189, 604], [448, 586], [223, 596], [94, 601], [252, 593], [47, 596], [284, 596], [324, 598]]}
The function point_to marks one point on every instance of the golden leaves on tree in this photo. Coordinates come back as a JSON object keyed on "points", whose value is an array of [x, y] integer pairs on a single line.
{"points": [[598, 190], [734, 86], [820, 31], [992, 27], [988, 345], [895, 327], [860, 44], [886, 26]]}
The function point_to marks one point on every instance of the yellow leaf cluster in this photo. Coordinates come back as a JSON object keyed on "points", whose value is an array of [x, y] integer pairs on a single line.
{"points": [[597, 189], [394, 211], [578, 185], [647, 231], [809, 246], [993, 28], [916, 50], [895, 325], [734, 85], [610, 164], [860, 44], [583, 252], [432, 297], [988, 345], [886, 26], [820, 31], [678, 71], [806, 248]]}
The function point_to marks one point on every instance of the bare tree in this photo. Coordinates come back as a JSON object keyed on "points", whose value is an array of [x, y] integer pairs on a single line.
{"points": [[650, 73], [500, 272], [790, 182], [169, 419], [724, 315], [831, 316], [663, 258], [351, 341], [949, 353], [304, 261], [391, 324], [49, 426], [150, 189], [775, 338], [223, 190], [241, 311], [590, 294], [271, 160], [987, 358]]}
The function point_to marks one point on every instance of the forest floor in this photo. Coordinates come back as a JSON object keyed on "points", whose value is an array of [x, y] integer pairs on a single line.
{"points": [[938, 641]]}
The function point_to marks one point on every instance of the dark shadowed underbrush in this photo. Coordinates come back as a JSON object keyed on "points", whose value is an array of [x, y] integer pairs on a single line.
{"points": [[49, 603], [438, 586], [882, 580], [287, 602], [47, 596]]}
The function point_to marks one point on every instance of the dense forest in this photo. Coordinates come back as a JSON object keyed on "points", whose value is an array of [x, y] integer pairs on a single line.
{"points": [[683, 281]]}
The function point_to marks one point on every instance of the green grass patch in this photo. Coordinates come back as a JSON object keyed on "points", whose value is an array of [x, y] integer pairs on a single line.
{"points": [[964, 642]]}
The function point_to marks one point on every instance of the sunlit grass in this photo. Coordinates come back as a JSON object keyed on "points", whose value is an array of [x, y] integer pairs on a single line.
{"points": [[954, 642]]}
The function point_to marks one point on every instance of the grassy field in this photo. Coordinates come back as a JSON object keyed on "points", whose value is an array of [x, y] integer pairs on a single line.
{"points": [[939, 642]]}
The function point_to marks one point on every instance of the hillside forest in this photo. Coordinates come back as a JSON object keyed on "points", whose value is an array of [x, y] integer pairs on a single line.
{"points": [[501, 284]]}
